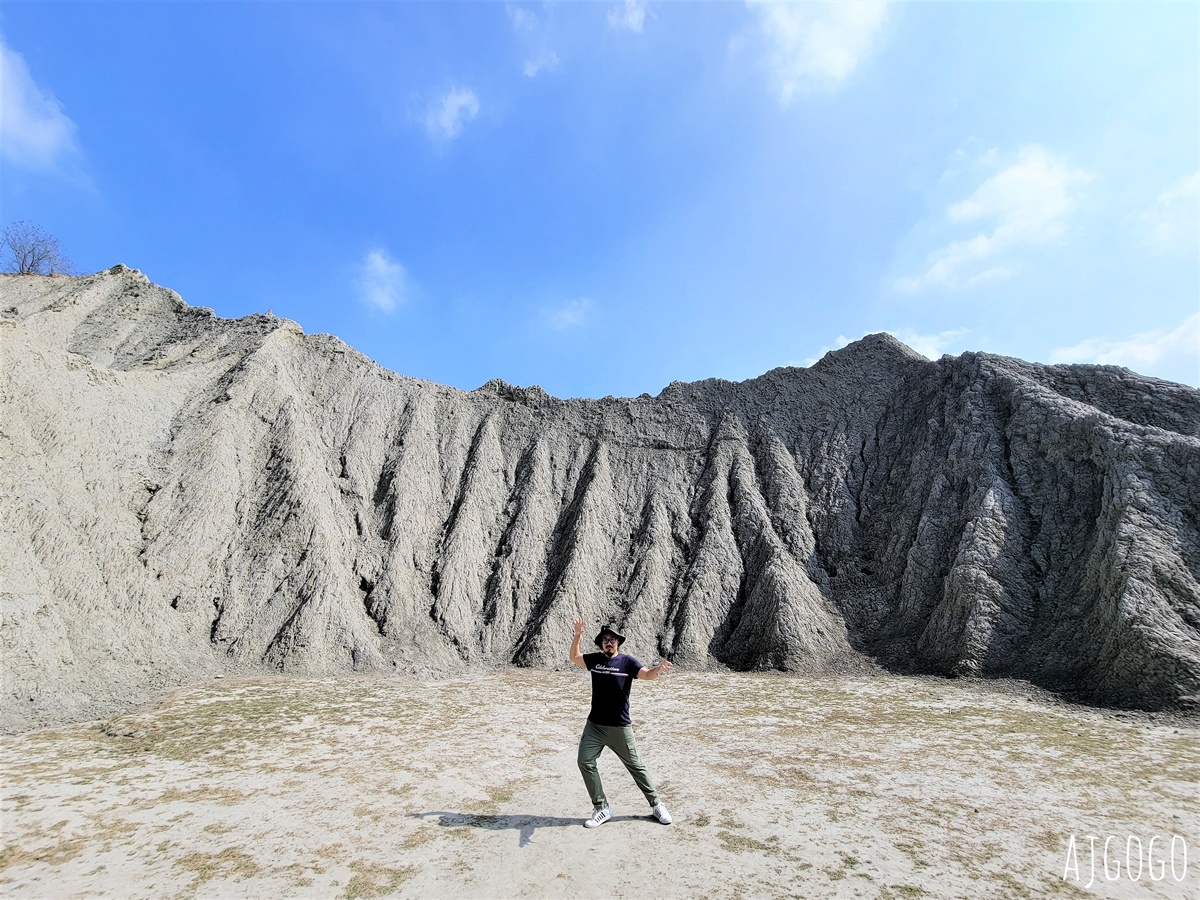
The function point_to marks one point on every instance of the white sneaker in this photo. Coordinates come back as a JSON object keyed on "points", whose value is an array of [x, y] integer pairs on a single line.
{"points": [[599, 817], [659, 811]]}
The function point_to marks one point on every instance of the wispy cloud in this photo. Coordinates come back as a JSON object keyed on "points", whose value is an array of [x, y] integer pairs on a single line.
{"points": [[1028, 203], [382, 282], [543, 62], [817, 45], [1173, 354], [572, 314], [525, 23], [930, 345], [522, 19], [1174, 220], [446, 118], [35, 133], [631, 16]]}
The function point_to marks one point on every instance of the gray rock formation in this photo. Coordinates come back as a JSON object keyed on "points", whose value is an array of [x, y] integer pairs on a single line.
{"points": [[185, 495]]}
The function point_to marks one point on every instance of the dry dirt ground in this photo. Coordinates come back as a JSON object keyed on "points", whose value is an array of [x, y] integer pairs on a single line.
{"points": [[780, 787]]}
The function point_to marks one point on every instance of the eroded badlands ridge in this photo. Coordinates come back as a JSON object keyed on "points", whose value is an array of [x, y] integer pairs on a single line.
{"points": [[185, 495]]}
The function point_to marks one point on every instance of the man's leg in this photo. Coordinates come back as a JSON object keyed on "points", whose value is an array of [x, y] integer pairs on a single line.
{"points": [[590, 746], [623, 744]]}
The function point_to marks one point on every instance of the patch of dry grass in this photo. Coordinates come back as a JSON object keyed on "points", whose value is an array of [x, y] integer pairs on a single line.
{"points": [[229, 862], [738, 843], [59, 850]]}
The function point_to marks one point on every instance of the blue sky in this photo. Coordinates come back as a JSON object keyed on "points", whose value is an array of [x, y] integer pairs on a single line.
{"points": [[602, 198]]}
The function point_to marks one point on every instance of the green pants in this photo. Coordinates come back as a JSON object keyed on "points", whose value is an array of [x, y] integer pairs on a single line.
{"points": [[620, 741]]}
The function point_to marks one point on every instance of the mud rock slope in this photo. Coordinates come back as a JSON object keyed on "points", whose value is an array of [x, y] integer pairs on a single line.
{"points": [[186, 495]]}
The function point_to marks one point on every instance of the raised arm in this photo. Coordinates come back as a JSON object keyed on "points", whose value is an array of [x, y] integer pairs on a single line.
{"points": [[652, 673], [577, 654]]}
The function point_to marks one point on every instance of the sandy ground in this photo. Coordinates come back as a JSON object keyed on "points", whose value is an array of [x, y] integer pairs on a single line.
{"points": [[782, 787]]}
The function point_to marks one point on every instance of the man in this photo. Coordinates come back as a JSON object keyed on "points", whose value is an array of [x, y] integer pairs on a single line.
{"points": [[608, 723]]}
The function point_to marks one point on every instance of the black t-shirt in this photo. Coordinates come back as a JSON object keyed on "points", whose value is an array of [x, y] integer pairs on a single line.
{"points": [[611, 682]]}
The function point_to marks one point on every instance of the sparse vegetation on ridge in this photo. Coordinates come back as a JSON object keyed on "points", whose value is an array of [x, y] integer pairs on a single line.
{"points": [[27, 250]]}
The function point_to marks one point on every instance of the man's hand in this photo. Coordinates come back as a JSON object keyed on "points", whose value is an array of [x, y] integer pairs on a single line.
{"points": [[651, 674], [577, 654]]}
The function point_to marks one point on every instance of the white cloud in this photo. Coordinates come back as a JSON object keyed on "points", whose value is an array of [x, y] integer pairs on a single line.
{"points": [[447, 117], [382, 282], [1171, 354], [1028, 204], [1174, 220], [34, 131], [932, 346], [838, 343], [544, 62], [521, 18], [817, 44], [571, 314], [631, 16]]}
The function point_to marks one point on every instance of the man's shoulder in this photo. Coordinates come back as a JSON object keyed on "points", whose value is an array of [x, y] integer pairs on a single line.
{"points": [[629, 664], [590, 659]]}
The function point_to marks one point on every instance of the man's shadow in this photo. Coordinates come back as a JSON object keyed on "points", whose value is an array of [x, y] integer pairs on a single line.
{"points": [[525, 825]]}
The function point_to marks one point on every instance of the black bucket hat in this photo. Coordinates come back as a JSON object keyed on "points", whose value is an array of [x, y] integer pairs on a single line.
{"points": [[610, 628]]}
